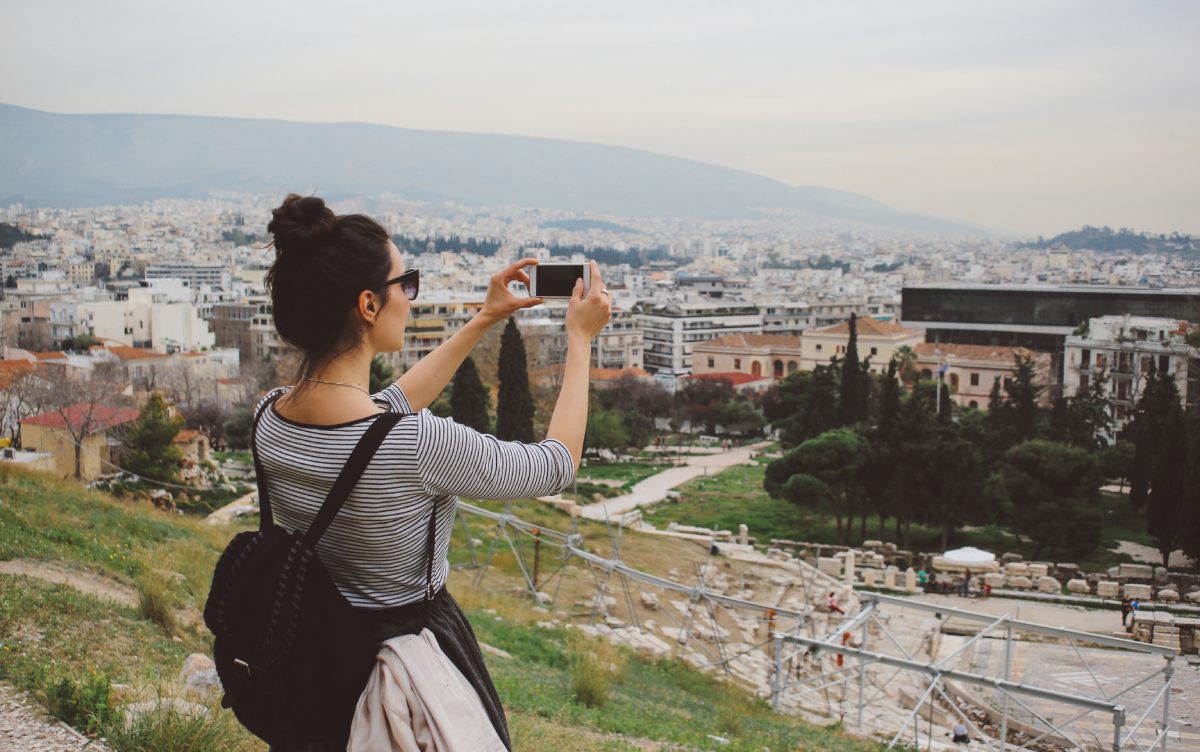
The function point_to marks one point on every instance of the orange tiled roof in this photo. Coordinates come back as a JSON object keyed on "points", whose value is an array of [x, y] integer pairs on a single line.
{"points": [[186, 435], [868, 326], [124, 352], [102, 417], [48, 355], [999, 353], [746, 341], [11, 370]]}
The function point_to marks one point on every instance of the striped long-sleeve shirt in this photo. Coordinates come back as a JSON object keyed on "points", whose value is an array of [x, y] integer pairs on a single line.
{"points": [[375, 548]]}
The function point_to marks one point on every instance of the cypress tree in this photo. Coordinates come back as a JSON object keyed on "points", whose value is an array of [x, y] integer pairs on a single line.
{"points": [[514, 410], [851, 404], [889, 401], [469, 400], [150, 449], [1165, 518], [1023, 395]]}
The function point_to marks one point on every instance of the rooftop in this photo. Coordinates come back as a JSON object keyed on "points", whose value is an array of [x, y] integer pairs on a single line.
{"points": [[997, 353], [743, 341], [868, 326], [102, 417]]}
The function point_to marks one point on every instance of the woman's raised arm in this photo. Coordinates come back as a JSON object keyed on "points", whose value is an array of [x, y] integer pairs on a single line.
{"points": [[425, 381]]}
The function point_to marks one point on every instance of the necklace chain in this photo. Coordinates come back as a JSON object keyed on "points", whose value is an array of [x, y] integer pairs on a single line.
{"points": [[338, 383]]}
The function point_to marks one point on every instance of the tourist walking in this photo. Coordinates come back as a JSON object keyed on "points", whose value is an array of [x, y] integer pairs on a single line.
{"points": [[341, 295]]}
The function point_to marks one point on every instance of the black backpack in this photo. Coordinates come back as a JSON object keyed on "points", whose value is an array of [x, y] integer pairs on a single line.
{"points": [[289, 648]]}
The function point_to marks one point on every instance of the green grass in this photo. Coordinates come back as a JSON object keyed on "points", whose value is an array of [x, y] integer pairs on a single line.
{"points": [[234, 455], [628, 473], [68, 648]]}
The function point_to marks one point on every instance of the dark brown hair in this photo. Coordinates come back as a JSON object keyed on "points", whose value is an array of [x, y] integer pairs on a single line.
{"points": [[322, 262]]}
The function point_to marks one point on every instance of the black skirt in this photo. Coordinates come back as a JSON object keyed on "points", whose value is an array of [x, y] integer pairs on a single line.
{"points": [[445, 619]]}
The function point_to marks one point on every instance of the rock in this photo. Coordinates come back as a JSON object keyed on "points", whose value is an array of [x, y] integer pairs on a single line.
{"points": [[1108, 589], [743, 535], [1079, 587], [872, 544], [199, 674], [1038, 570], [1018, 582], [1135, 571], [1140, 592], [650, 600], [869, 577], [1067, 570], [910, 580], [1017, 569], [163, 705], [543, 599], [889, 576], [829, 565], [1193, 597], [1046, 584], [995, 579], [1160, 575], [1167, 595], [1009, 558]]}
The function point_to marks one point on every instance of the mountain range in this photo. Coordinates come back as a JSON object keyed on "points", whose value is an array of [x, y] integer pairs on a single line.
{"points": [[64, 160]]}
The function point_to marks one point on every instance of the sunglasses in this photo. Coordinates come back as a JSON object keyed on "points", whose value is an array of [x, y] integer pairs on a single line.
{"points": [[410, 283]]}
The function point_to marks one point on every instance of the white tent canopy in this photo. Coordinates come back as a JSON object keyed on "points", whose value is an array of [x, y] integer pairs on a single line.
{"points": [[969, 555]]}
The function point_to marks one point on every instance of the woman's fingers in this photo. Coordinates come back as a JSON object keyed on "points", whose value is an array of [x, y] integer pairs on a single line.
{"points": [[597, 281]]}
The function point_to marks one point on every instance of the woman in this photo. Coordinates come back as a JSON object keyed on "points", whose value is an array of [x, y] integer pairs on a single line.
{"points": [[341, 295]]}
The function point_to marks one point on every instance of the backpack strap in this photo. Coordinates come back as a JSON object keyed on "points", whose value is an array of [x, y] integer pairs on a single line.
{"points": [[371, 439], [429, 553], [265, 520]]}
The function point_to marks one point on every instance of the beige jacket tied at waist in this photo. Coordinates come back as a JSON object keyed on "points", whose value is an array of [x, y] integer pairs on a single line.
{"points": [[418, 701]]}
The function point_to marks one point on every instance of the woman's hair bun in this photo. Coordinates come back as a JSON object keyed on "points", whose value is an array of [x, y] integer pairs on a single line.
{"points": [[301, 225]]}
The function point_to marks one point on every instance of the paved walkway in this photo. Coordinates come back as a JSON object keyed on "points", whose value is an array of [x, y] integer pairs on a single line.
{"points": [[654, 489]]}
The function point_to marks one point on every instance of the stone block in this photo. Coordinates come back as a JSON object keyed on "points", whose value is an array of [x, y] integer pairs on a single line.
{"points": [[1017, 569], [1193, 597], [1038, 570], [1018, 582], [872, 544], [1067, 570], [1160, 575], [995, 579], [910, 579], [889, 576], [1140, 592], [829, 565], [1047, 584], [848, 561], [743, 535], [1078, 587], [1135, 571], [1167, 595], [1108, 589], [1009, 558], [869, 576]]}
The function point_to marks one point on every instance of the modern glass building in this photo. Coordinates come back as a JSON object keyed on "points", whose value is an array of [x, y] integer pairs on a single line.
{"points": [[1035, 316]]}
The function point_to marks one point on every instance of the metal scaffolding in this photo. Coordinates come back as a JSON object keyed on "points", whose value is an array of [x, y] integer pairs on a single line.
{"points": [[1025, 714]]}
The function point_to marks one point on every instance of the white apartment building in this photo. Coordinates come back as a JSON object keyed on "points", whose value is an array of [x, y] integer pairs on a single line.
{"points": [[1124, 347], [620, 344], [671, 330], [783, 317], [193, 273]]}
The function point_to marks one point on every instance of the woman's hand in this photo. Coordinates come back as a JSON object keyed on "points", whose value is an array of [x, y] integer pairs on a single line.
{"points": [[500, 303], [587, 315]]}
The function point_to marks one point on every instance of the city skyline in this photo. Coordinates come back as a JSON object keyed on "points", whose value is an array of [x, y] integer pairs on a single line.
{"points": [[1032, 119]]}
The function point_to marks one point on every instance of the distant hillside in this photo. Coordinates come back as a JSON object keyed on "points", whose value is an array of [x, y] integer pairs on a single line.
{"points": [[10, 235], [49, 159], [582, 225], [1107, 239]]}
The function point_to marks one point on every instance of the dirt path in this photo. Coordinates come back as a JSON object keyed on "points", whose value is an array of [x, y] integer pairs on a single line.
{"points": [[25, 727], [82, 580], [1150, 555]]}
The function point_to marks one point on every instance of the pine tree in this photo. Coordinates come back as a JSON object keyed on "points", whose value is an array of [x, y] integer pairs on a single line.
{"points": [[514, 411], [1153, 410], [852, 392], [1023, 395], [469, 400], [149, 444], [381, 375], [889, 401]]}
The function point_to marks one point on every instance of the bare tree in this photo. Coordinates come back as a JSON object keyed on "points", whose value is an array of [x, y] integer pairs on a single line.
{"points": [[78, 399]]}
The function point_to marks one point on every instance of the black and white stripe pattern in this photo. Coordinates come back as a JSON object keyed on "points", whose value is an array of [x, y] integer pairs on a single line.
{"points": [[375, 548]]}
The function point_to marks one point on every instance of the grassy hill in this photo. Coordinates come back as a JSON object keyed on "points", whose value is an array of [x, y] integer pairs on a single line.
{"points": [[141, 576]]}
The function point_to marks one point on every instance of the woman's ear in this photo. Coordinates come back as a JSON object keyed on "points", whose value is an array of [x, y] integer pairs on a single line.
{"points": [[368, 306]]}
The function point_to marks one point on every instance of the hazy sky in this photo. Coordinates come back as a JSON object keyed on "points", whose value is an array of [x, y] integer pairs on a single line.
{"points": [[1028, 116]]}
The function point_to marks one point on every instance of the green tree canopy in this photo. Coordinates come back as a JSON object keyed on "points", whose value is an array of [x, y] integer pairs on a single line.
{"points": [[1051, 491], [804, 404], [149, 444], [514, 411], [836, 458], [381, 376], [470, 403]]}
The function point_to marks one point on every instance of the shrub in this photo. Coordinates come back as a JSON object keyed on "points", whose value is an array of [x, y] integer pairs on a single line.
{"points": [[85, 705], [596, 665], [155, 601], [167, 729]]}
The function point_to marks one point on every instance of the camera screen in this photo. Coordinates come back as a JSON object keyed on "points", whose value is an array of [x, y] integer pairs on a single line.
{"points": [[558, 280]]}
